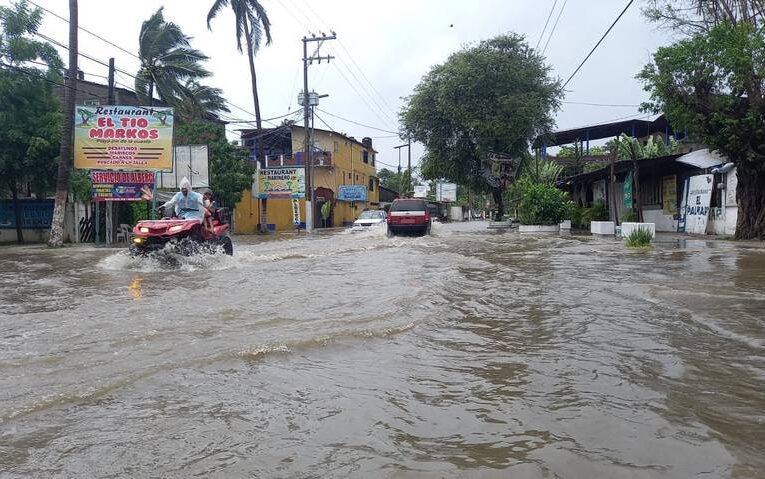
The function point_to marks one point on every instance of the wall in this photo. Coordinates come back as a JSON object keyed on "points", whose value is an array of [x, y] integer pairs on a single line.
{"points": [[663, 222], [30, 236]]}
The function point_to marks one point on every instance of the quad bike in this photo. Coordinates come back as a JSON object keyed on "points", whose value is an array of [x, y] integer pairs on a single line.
{"points": [[185, 237]]}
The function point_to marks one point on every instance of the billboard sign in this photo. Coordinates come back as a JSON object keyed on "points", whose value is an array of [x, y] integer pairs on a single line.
{"points": [[420, 191], [123, 138], [446, 192], [190, 161], [122, 185], [697, 204], [288, 182], [352, 193]]}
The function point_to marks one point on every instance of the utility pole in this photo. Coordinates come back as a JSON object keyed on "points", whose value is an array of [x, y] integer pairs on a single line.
{"points": [[408, 146], [307, 147], [409, 160], [110, 91]]}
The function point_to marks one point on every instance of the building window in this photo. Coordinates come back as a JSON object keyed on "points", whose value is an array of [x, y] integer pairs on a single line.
{"points": [[373, 159], [365, 157], [349, 176], [650, 192], [371, 184], [357, 177], [336, 146]]}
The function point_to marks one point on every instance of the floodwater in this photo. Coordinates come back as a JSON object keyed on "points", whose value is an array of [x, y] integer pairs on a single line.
{"points": [[470, 353]]}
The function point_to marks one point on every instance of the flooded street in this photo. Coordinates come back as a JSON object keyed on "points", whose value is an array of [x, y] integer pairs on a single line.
{"points": [[470, 353]]}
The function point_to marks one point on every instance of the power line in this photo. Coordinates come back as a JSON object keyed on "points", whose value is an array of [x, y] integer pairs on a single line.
{"points": [[601, 104], [549, 15], [598, 44], [358, 68], [102, 62], [85, 30], [357, 123], [554, 26], [44, 78]]}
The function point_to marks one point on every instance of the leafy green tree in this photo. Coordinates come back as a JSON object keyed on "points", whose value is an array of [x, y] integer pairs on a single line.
{"points": [[252, 22], [711, 84], [197, 101], [30, 115], [495, 97], [230, 167], [167, 61]]}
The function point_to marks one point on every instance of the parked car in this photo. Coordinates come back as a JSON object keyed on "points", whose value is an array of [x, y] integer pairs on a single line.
{"points": [[367, 219], [409, 215]]}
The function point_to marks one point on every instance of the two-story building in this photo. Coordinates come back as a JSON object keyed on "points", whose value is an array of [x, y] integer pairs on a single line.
{"points": [[339, 160]]}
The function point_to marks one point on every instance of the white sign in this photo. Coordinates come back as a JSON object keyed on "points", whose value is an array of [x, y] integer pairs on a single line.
{"points": [[697, 205], [420, 191], [446, 192], [731, 183], [190, 161]]}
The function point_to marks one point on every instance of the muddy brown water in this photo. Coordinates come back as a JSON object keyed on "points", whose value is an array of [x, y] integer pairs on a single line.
{"points": [[469, 353]]}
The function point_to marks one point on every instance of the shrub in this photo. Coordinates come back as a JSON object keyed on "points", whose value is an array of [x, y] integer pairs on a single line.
{"points": [[599, 211], [543, 204], [629, 216], [639, 238]]}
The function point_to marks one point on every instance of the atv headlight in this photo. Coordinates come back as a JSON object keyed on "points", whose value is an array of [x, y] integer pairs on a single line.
{"points": [[138, 240], [144, 229]]}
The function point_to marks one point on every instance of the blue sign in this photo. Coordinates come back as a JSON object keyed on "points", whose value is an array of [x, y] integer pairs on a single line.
{"points": [[35, 214], [352, 193]]}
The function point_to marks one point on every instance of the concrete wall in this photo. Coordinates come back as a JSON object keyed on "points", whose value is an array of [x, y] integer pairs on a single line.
{"points": [[663, 222], [30, 236]]}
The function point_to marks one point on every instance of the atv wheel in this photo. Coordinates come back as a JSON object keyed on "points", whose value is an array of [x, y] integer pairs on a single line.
{"points": [[228, 246]]}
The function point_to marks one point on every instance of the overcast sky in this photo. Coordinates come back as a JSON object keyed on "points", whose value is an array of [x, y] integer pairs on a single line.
{"points": [[382, 51]]}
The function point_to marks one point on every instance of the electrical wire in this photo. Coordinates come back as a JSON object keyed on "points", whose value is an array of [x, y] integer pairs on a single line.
{"points": [[549, 16], [555, 26], [598, 44], [357, 123]]}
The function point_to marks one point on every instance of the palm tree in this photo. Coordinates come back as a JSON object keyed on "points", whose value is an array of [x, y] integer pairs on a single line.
{"points": [[167, 60], [251, 21], [197, 101], [56, 238]]}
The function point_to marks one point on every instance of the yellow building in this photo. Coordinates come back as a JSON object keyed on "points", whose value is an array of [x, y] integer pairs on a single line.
{"points": [[338, 160]]}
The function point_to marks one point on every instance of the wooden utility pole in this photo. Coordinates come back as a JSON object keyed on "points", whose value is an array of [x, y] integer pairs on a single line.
{"points": [[67, 135], [307, 147]]}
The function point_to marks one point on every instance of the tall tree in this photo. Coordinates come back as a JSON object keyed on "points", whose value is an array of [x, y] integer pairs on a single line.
{"points": [[711, 83], [167, 61], [495, 97], [252, 22], [197, 101], [30, 117], [56, 238]]}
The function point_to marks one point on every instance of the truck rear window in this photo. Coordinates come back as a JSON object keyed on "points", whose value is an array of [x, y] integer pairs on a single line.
{"points": [[408, 206]]}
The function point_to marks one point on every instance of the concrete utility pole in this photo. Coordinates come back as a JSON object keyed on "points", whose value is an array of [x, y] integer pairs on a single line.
{"points": [[408, 146], [307, 147]]}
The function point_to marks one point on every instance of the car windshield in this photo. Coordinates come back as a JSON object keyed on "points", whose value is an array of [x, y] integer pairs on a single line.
{"points": [[408, 206], [372, 215]]}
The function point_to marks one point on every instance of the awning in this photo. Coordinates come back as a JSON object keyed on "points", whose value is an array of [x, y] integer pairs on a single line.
{"points": [[703, 159]]}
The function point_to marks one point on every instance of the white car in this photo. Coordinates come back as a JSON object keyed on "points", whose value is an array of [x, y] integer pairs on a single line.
{"points": [[368, 219]]}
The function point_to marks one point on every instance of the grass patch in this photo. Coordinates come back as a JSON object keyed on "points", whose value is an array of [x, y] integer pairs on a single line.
{"points": [[639, 238]]}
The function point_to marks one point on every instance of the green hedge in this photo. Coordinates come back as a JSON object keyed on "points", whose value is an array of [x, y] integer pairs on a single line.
{"points": [[543, 205]]}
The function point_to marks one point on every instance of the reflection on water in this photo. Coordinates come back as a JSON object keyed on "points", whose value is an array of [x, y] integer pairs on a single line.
{"points": [[469, 353], [135, 287]]}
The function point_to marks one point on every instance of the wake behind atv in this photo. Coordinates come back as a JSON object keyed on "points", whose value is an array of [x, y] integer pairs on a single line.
{"points": [[185, 237]]}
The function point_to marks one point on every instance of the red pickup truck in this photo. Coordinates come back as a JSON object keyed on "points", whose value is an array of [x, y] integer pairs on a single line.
{"points": [[408, 215]]}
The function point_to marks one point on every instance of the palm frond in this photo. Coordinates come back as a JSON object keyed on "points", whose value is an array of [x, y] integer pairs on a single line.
{"points": [[215, 10]]}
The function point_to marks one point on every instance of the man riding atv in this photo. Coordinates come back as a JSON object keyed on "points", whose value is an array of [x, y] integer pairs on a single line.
{"points": [[188, 233], [188, 204]]}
